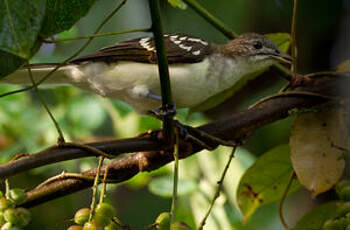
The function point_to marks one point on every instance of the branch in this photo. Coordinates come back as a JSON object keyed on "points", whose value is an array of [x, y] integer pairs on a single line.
{"points": [[236, 127], [229, 33]]}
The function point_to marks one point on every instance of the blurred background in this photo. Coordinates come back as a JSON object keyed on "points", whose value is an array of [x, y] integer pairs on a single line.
{"points": [[323, 34]]}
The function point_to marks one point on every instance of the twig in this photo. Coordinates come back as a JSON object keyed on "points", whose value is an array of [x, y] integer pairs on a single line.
{"points": [[43, 103], [94, 188], [64, 175], [290, 94], [293, 38], [95, 35], [218, 189], [104, 185], [176, 178], [88, 148], [211, 19], [284, 195]]}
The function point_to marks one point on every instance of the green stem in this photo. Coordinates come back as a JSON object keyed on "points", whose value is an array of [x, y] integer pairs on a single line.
{"points": [[229, 33], [104, 186], [218, 189], [96, 35], [167, 102], [284, 195], [293, 39], [94, 188], [42, 100], [176, 177], [71, 57]]}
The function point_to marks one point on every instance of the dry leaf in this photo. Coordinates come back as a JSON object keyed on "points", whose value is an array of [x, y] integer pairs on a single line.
{"points": [[315, 149]]}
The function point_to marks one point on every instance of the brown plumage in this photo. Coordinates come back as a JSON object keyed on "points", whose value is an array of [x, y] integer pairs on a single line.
{"points": [[179, 48]]}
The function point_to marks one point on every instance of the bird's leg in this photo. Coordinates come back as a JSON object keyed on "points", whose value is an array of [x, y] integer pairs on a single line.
{"points": [[193, 134], [154, 96], [197, 134]]}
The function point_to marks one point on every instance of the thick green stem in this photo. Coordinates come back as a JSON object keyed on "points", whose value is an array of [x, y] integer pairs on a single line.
{"points": [[293, 39], [167, 102], [211, 19]]}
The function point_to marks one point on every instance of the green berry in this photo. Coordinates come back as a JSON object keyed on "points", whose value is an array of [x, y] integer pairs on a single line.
{"points": [[82, 216], [12, 216], [9, 226], [331, 224], [75, 227], [112, 226], [2, 218], [104, 213], [24, 216], [179, 226], [5, 203], [163, 221], [17, 195], [91, 225]]}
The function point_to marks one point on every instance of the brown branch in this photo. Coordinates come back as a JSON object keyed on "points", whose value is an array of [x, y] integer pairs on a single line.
{"points": [[236, 127]]}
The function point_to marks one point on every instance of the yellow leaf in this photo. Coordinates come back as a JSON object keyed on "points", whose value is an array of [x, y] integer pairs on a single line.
{"points": [[316, 157]]}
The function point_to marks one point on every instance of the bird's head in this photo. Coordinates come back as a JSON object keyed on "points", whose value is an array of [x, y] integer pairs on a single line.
{"points": [[256, 47]]}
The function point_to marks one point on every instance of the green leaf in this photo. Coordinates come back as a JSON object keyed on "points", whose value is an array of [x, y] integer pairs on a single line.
{"points": [[61, 15], [316, 217], [265, 181], [20, 23], [178, 3], [282, 40], [73, 31], [163, 186]]}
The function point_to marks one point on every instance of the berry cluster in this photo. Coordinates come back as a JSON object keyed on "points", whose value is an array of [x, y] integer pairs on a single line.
{"points": [[12, 218], [102, 219]]}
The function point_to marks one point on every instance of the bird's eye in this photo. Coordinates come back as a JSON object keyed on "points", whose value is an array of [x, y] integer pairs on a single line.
{"points": [[257, 45]]}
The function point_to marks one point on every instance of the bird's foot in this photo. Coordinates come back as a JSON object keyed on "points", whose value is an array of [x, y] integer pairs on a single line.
{"points": [[161, 112], [201, 138]]}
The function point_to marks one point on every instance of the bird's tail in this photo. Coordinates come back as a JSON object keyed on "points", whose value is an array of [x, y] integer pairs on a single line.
{"points": [[22, 77]]}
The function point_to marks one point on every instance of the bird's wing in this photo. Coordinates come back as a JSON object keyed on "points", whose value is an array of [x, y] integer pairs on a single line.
{"points": [[179, 48]]}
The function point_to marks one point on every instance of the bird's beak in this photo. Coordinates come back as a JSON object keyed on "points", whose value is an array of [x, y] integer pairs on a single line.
{"points": [[283, 57]]}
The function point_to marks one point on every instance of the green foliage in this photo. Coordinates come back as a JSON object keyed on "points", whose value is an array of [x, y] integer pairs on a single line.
{"points": [[61, 15], [282, 40], [316, 218], [265, 181], [20, 24], [178, 3]]}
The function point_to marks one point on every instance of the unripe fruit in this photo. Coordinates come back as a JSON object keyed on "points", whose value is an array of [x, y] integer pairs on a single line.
{"points": [[104, 213], [9, 226], [75, 227], [331, 225], [12, 216], [2, 218], [17, 195], [179, 226], [163, 221], [4, 203], [24, 216], [82, 216], [91, 225], [113, 226]]}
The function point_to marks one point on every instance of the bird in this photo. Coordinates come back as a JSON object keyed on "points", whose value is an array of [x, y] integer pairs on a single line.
{"points": [[128, 70]]}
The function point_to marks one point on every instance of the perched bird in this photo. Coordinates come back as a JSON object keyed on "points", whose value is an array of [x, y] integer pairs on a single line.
{"points": [[128, 70]]}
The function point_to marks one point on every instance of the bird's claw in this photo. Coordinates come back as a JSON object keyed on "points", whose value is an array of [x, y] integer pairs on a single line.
{"points": [[200, 137]]}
